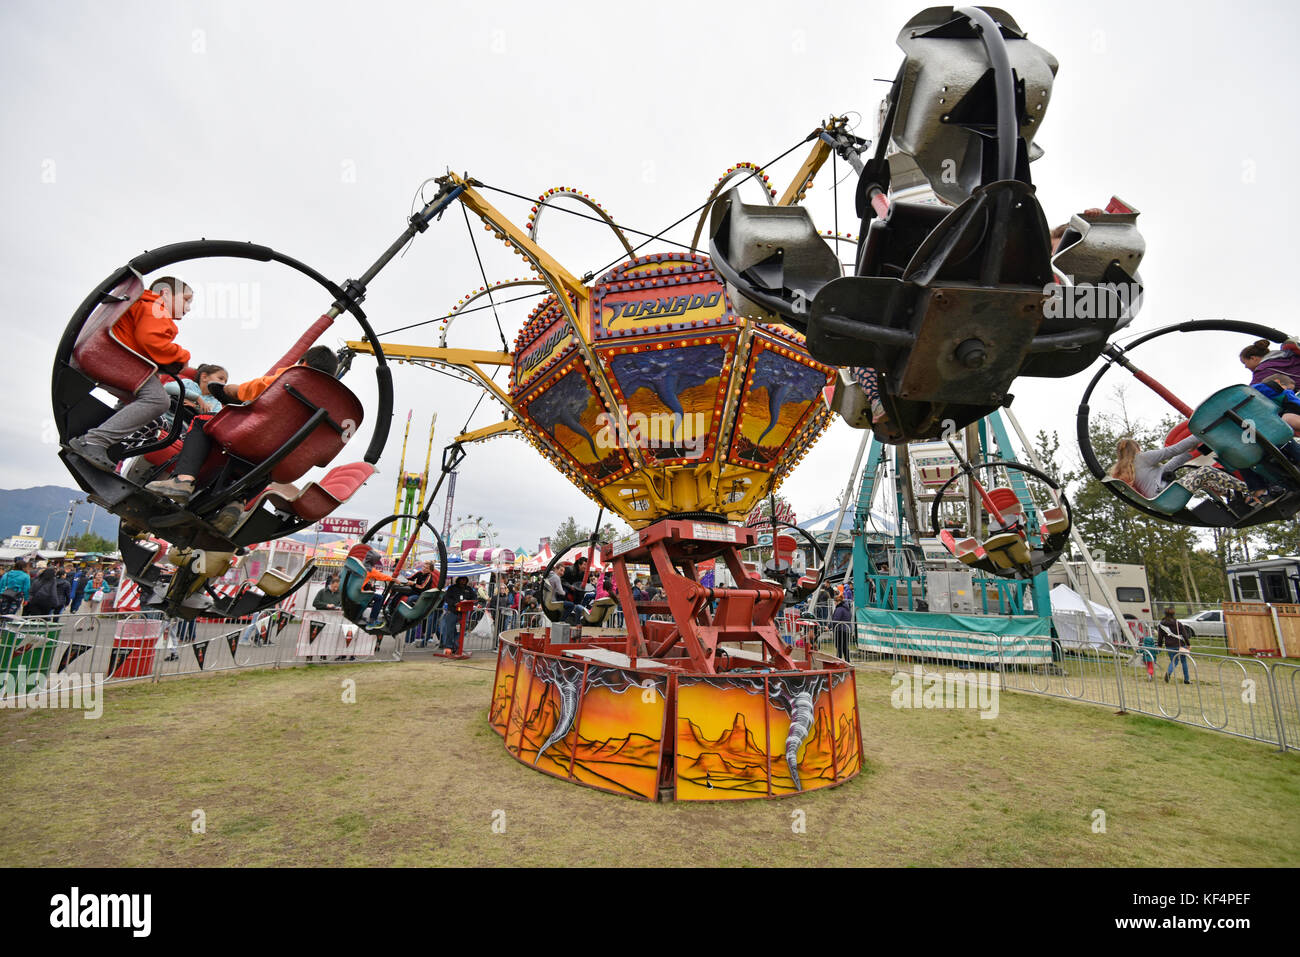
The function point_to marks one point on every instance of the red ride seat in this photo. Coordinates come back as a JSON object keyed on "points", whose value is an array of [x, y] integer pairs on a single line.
{"points": [[318, 499], [256, 431], [1006, 502], [102, 356], [1177, 433]]}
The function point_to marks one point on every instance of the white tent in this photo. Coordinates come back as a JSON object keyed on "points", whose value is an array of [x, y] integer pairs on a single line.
{"points": [[826, 522], [1079, 622]]}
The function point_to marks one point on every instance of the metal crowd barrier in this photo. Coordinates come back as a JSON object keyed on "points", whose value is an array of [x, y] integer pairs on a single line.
{"points": [[119, 647], [1244, 697]]}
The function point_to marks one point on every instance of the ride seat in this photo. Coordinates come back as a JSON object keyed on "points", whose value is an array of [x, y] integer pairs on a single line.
{"points": [[257, 430], [967, 551], [599, 610], [1212, 424], [212, 563], [354, 576], [1006, 502], [101, 356], [553, 607], [1007, 549], [1171, 500], [275, 582], [420, 607], [1055, 521], [317, 499]]}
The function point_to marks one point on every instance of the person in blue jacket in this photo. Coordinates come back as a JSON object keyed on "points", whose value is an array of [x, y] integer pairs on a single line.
{"points": [[78, 581], [1281, 389], [17, 579]]}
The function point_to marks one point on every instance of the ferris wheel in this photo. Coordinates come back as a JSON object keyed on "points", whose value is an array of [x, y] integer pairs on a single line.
{"points": [[472, 528]]}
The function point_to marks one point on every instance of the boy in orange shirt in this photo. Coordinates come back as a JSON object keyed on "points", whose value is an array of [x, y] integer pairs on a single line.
{"points": [[149, 328]]}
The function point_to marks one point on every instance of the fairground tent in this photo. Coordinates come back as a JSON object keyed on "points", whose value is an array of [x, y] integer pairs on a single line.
{"points": [[1079, 622], [826, 522], [457, 567]]}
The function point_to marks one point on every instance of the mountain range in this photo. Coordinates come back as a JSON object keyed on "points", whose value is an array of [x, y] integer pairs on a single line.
{"points": [[47, 506]]}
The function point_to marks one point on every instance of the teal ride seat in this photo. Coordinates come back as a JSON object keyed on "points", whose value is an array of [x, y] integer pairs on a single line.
{"points": [[352, 577], [1211, 423], [1172, 499], [402, 614], [421, 607]]}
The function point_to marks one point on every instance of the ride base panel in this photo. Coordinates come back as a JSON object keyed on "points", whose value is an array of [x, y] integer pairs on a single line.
{"points": [[651, 729], [706, 706]]}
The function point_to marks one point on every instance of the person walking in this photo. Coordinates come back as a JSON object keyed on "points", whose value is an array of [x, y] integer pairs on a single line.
{"points": [[1175, 638]]}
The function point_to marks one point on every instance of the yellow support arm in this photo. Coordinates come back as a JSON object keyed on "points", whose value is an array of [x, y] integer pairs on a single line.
{"points": [[487, 432], [467, 359], [820, 154], [444, 354]]}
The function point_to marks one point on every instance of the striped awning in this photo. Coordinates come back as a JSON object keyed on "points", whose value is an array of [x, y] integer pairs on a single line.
{"points": [[488, 556], [458, 566]]}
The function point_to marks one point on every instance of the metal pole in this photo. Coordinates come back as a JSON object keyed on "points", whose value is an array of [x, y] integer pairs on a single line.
{"points": [[46, 526], [67, 522], [839, 519], [1078, 540]]}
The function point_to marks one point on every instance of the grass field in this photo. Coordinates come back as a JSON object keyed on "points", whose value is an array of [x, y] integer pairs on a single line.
{"points": [[286, 773]]}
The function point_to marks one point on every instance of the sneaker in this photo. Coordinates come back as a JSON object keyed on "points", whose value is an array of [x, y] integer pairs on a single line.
{"points": [[96, 455], [173, 488], [228, 518]]}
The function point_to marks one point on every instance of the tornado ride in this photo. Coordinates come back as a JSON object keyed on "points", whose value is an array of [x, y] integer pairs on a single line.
{"points": [[677, 390]]}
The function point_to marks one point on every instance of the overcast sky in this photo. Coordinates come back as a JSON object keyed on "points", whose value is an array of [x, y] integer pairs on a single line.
{"points": [[308, 127]]}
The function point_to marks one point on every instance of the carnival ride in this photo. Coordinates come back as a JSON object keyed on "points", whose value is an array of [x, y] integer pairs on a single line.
{"points": [[1240, 429], [411, 487], [677, 390], [1005, 521]]}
